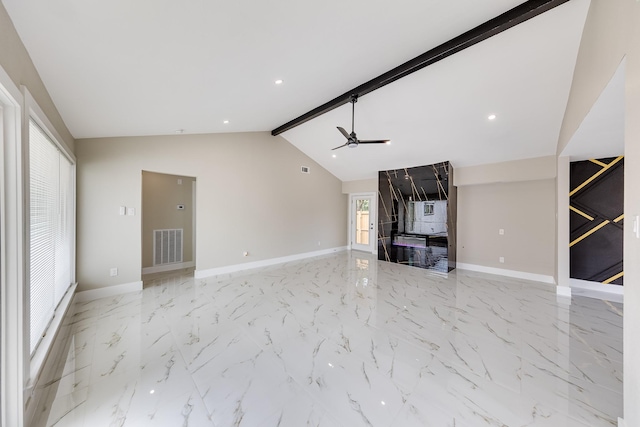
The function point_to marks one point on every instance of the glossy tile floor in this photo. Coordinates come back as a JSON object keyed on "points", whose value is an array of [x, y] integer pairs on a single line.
{"points": [[341, 340]]}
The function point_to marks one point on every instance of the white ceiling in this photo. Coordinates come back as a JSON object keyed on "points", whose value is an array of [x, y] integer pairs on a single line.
{"points": [[150, 67], [601, 133], [522, 75]]}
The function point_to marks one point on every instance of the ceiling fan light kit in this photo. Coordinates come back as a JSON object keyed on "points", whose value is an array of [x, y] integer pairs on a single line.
{"points": [[352, 139]]}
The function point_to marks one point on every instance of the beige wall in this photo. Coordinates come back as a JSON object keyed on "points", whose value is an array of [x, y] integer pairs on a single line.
{"points": [[17, 63], [161, 193], [524, 209], [631, 242], [250, 197], [360, 186], [518, 196], [563, 230], [612, 31], [603, 45], [517, 170]]}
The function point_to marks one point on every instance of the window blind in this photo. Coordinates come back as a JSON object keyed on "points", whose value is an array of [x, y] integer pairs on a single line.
{"points": [[51, 217], [64, 231]]}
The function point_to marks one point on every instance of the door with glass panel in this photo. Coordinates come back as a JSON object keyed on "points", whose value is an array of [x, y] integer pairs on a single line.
{"points": [[362, 222]]}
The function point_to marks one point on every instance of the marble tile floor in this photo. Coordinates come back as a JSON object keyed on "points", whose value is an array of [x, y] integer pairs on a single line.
{"points": [[153, 278], [340, 340]]}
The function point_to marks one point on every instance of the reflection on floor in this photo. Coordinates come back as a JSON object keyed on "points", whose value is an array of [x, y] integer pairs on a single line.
{"points": [[341, 340], [165, 276], [432, 257]]}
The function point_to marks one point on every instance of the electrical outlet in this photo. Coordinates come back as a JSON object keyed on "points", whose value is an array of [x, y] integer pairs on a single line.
{"points": [[113, 272], [131, 211], [502, 259]]}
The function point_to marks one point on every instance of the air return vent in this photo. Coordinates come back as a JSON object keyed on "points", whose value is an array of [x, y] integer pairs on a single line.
{"points": [[304, 169], [167, 246]]}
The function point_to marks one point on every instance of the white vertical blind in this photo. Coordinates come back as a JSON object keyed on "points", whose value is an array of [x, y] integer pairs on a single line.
{"points": [[51, 205], [64, 231]]}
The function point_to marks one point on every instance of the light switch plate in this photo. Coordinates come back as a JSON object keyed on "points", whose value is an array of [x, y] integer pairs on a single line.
{"points": [[131, 211], [123, 210]]}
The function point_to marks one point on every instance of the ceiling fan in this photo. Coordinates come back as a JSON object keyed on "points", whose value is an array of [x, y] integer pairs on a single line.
{"points": [[352, 139]]}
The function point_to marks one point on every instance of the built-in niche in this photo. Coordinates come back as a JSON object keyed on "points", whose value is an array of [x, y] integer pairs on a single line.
{"points": [[417, 217], [596, 221]]}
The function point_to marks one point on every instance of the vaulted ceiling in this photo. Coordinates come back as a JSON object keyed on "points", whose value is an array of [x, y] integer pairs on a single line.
{"points": [[154, 67]]}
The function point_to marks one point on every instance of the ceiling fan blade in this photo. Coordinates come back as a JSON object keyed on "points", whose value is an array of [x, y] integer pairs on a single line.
{"points": [[371, 141], [344, 132], [343, 145]]}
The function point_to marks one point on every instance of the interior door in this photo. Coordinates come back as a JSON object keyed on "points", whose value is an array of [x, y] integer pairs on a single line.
{"points": [[362, 222]]}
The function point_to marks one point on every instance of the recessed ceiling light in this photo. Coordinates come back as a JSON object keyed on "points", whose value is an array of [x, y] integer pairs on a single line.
{"points": [[279, 81], [388, 142], [226, 122], [179, 131], [334, 156], [492, 117]]}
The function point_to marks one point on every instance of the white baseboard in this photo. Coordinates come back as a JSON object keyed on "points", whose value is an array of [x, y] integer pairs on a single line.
{"points": [[596, 286], [509, 273], [199, 274], [585, 288], [168, 267], [108, 291], [563, 291], [621, 422]]}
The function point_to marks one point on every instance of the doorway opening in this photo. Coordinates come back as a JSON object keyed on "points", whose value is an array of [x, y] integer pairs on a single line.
{"points": [[362, 210], [168, 226]]}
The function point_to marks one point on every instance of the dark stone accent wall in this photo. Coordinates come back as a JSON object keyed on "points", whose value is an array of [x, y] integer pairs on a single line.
{"points": [[417, 216], [452, 219], [596, 220]]}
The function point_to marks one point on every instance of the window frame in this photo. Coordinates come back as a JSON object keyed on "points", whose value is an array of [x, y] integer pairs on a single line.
{"points": [[34, 363], [429, 208], [12, 267]]}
